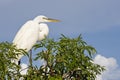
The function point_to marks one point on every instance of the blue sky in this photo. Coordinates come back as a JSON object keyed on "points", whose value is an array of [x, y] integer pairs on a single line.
{"points": [[97, 20]]}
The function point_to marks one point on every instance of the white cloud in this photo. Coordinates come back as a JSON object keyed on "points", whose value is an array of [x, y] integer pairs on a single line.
{"points": [[112, 71], [24, 68]]}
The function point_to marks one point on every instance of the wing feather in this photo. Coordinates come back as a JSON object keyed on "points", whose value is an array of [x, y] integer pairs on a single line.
{"points": [[27, 36]]}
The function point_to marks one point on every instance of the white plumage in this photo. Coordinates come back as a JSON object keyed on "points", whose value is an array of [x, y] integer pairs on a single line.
{"points": [[31, 32]]}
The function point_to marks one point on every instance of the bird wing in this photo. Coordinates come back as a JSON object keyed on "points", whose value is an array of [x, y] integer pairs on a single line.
{"points": [[27, 36]]}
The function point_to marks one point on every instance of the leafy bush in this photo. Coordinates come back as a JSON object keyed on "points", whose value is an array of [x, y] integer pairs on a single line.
{"points": [[8, 69], [67, 58]]}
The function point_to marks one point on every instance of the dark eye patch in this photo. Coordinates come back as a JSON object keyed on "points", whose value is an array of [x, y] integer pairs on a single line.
{"points": [[45, 18]]}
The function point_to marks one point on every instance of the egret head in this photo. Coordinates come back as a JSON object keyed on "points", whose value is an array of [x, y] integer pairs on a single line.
{"points": [[42, 18]]}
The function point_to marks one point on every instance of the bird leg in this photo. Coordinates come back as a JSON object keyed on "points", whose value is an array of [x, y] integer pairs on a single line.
{"points": [[19, 62], [30, 58]]}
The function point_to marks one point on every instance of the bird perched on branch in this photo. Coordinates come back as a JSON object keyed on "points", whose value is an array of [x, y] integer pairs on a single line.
{"points": [[31, 32]]}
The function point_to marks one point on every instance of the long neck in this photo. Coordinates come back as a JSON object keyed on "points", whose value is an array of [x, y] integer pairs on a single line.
{"points": [[43, 31]]}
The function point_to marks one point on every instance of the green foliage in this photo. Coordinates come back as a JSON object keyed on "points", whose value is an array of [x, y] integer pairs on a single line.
{"points": [[67, 58], [9, 52]]}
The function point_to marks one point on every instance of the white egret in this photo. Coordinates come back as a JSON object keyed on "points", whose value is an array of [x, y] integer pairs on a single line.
{"points": [[31, 32]]}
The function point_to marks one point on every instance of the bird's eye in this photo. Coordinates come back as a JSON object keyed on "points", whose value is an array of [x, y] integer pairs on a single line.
{"points": [[44, 18]]}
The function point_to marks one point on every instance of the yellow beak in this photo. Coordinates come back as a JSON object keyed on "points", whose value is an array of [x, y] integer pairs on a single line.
{"points": [[51, 20]]}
